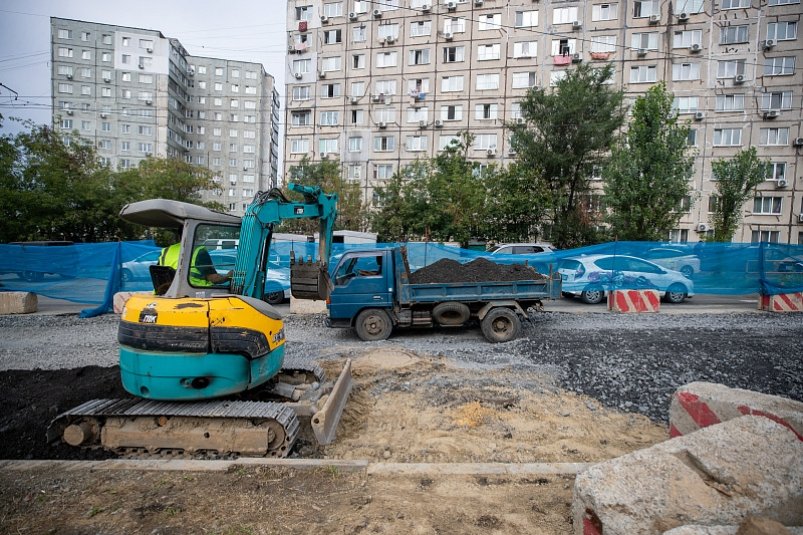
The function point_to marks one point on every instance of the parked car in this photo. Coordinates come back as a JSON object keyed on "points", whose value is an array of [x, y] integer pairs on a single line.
{"points": [[523, 248], [674, 259], [590, 277], [791, 264], [138, 269]]}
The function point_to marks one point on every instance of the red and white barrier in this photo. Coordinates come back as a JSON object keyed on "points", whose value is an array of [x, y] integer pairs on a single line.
{"points": [[698, 405], [792, 302], [634, 301]]}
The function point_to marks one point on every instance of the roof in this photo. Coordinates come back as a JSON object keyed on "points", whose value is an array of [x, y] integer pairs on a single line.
{"points": [[166, 213]]}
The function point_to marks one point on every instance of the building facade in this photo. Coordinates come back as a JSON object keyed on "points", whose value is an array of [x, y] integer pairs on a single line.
{"points": [[134, 92], [380, 84]]}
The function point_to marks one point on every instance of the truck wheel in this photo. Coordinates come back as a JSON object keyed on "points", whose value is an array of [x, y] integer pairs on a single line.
{"points": [[373, 324], [451, 314], [500, 325]]}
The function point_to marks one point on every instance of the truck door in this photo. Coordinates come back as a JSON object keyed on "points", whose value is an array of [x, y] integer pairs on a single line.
{"points": [[362, 280]]}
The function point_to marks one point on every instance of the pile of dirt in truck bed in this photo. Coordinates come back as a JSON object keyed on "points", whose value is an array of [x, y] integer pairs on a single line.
{"points": [[479, 270]]}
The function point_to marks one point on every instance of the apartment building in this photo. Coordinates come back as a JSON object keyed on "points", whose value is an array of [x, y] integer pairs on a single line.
{"points": [[134, 92], [379, 84]]}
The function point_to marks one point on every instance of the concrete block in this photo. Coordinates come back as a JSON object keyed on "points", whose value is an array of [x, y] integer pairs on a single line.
{"points": [[306, 306], [698, 405], [18, 303], [791, 302], [634, 301], [716, 476]]}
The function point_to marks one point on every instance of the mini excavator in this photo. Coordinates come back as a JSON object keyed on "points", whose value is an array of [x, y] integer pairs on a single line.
{"points": [[205, 360]]}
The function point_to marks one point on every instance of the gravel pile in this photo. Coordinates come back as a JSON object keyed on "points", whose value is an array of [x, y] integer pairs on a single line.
{"points": [[480, 270], [628, 362]]}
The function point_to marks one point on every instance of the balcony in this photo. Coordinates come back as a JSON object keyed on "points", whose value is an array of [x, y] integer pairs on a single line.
{"points": [[565, 59]]}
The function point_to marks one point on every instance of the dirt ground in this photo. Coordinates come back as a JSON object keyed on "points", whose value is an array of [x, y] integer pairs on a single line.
{"points": [[404, 408]]}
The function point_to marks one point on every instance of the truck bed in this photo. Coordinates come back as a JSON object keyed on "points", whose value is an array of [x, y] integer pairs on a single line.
{"points": [[481, 291]]}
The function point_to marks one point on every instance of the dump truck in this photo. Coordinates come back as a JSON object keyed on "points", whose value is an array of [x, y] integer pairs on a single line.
{"points": [[373, 294]]}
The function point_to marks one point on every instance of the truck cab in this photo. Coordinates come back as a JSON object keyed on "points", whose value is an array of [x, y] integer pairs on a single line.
{"points": [[362, 279]]}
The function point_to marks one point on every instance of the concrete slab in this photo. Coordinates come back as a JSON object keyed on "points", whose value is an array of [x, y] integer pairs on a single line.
{"points": [[716, 476], [18, 303]]}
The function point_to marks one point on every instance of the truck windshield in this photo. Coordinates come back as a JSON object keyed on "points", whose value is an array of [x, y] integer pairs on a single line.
{"points": [[361, 266]]}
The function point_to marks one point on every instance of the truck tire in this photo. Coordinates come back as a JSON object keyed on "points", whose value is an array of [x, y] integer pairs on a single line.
{"points": [[373, 324], [451, 314], [500, 325]]}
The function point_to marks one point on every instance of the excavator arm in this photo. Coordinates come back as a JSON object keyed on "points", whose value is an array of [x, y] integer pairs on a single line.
{"points": [[308, 279]]}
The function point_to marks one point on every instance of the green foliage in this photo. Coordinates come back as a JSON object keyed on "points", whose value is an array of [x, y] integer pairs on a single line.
{"points": [[736, 178], [516, 207], [327, 174], [567, 131], [647, 178], [394, 218]]}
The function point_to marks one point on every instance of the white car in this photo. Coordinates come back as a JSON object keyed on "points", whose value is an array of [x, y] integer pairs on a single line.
{"points": [[590, 277], [674, 259], [523, 248]]}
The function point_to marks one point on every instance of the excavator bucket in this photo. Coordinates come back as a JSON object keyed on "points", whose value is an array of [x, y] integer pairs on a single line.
{"points": [[309, 280]]}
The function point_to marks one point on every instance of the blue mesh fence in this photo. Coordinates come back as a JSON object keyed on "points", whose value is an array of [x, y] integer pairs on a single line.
{"points": [[92, 273]]}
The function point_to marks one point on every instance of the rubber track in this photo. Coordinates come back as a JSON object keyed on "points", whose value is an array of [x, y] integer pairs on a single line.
{"points": [[313, 368]]}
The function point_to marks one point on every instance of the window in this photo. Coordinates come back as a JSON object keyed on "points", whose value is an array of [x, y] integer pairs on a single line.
{"points": [[646, 8], [415, 115], [643, 74], [386, 87], [330, 64], [235, 88], [65, 88], [303, 12], [603, 43], [766, 236], [145, 78], [301, 92], [733, 34], [604, 12], [563, 46], [65, 70], [331, 37], [685, 71], [454, 25], [105, 91], [299, 118], [301, 66], [485, 141], [692, 139], [776, 171], [417, 143], [355, 144], [106, 57], [489, 22], [687, 38], [65, 52], [451, 83], [330, 90], [525, 49], [419, 57], [767, 205], [329, 118], [782, 31], [145, 130], [679, 236], [730, 102], [334, 9], [420, 29], [386, 115], [105, 126], [218, 86], [357, 89], [522, 80], [730, 68], [85, 36], [452, 113], [486, 111], [453, 54], [686, 104], [734, 4], [774, 136], [779, 66], [250, 90], [564, 15], [125, 128], [782, 2], [86, 90], [689, 6], [358, 34], [383, 171], [777, 100], [388, 30], [416, 86], [360, 6], [299, 146], [445, 141], [526, 19], [647, 41], [487, 81], [357, 117], [727, 137], [146, 148], [66, 124], [555, 77], [354, 172], [65, 34], [488, 52], [384, 143], [386, 59]]}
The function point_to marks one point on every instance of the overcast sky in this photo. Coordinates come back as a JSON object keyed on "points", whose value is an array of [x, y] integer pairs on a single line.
{"points": [[248, 30]]}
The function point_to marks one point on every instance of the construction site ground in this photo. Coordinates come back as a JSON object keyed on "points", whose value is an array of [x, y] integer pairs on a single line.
{"points": [[574, 389]]}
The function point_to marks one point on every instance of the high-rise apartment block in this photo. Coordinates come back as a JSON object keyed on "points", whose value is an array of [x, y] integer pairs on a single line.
{"points": [[134, 92], [381, 83]]}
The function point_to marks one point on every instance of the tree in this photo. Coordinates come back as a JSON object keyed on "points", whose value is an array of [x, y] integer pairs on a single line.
{"points": [[647, 177], [735, 180], [328, 174], [516, 206], [395, 217], [566, 132]]}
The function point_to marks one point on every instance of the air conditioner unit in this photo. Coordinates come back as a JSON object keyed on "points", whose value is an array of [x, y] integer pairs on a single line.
{"points": [[800, 218], [324, 19], [641, 52], [190, 72], [438, 123], [69, 112], [107, 79], [354, 100], [769, 43], [291, 49], [771, 114], [377, 13], [148, 102], [511, 151], [422, 124], [699, 116], [478, 3], [322, 74], [577, 58], [519, 120], [451, 6], [655, 19], [104, 115], [390, 39], [739, 79], [577, 24], [149, 50], [683, 17], [797, 142], [702, 227], [491, 153], [141, 65], [426, 8], [376, 98], [298, 75], [781, 183], [695, 48], [352, 16], [383, 125], [448, 36], [69, 76]]}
